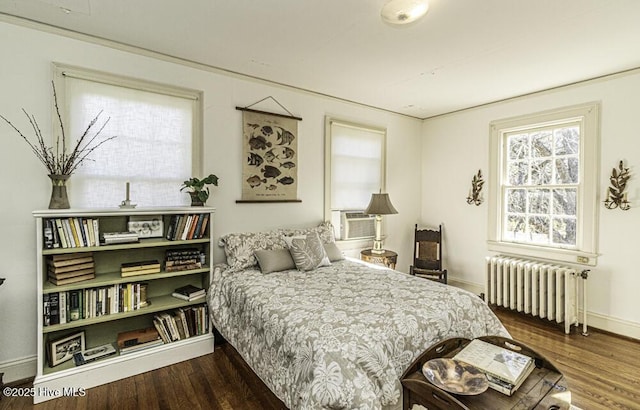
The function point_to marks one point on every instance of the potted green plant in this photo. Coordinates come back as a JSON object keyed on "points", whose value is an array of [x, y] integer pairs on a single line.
{"points": [[198, 189]]}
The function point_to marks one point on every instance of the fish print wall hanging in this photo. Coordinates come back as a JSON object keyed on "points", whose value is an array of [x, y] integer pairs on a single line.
{"points": [[270, 157]]}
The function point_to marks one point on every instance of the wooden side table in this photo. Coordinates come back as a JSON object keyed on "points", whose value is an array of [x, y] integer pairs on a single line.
{"points": [[388, 258], [545, 388]]}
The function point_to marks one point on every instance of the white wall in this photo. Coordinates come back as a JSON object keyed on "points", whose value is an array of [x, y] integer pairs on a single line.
{"points": [[454, 148], [25, 76]]}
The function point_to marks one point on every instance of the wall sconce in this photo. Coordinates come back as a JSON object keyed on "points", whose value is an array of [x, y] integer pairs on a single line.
{"points": [[616, 197], [475, 193]]}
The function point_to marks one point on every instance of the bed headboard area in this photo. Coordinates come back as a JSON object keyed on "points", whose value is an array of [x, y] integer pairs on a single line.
{"points": [[240, 248]]}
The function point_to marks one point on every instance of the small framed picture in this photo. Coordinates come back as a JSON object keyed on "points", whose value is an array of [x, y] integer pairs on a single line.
{"points": [[62, 349], [146, 226]]}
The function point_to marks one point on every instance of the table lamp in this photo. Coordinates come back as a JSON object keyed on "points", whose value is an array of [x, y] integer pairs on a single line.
{"points": [[380, 205]]}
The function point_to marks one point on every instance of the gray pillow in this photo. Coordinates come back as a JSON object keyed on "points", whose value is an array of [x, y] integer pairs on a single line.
{"points": [[274, 260], [333, 252], [307, 251], [240, 247]]}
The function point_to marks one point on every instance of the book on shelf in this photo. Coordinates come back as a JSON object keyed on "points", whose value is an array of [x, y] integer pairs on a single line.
{"points": [[77, 222], [47, 235], [136, 337], [72, 232], [141, 346], [162, 330], [74, 305], [187, 227], [70, 259], [71, 274], [181, 267], [71, 268], [187, 298], [498, 363], [54, 308], [74, 279], [46, 310], [139, 268], [109, 238], [140, 272], [62, 237], [93, 354], [188, 291], [142, 265], [187, 261], [183, 259], [182, 323], [62, 307], [67, 256]]}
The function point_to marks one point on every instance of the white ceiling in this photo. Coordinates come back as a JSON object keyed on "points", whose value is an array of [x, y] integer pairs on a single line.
{"points": [[462, 54]]}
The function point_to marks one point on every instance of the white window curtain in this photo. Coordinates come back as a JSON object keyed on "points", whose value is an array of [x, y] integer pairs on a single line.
{"points": [[357, 163], [152, 151]]}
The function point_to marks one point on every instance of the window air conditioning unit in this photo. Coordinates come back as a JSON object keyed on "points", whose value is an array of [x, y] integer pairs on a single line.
{"points": [[356, 224]]}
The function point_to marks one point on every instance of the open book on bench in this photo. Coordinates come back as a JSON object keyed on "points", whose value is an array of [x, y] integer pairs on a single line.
{"points": [[506, 370]]}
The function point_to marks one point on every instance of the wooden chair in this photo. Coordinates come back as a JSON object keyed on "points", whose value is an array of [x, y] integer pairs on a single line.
{"points": [[427, 255]]}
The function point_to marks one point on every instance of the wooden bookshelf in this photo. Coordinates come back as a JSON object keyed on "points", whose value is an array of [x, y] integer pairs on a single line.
{"points": [[103, 329]]}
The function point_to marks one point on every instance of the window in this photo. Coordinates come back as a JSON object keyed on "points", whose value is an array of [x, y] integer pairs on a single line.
{"points": [[355, 168], [158, 138], [543, 191]]}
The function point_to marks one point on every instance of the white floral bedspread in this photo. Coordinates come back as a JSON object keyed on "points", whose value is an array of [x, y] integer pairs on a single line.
{"points": [[340, 336]]}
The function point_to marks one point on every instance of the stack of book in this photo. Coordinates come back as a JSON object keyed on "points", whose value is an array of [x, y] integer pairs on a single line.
{"points": [[139, 268], [140, 339], [70, 268], [186, 227], [189, 292], [182, 259], [505, 369], [182, 324], [110, 238]]}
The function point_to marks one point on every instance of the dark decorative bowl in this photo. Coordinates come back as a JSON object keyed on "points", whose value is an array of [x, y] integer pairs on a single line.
{"points": [[455, 377]]}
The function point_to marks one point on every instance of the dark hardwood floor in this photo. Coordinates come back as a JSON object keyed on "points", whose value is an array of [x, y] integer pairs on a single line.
{"points": [[602, 371]]}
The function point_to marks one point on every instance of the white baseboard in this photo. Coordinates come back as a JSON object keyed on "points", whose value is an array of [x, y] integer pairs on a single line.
{"points": [[470, 286], [19, 369], [599, 321], [613, 325]]}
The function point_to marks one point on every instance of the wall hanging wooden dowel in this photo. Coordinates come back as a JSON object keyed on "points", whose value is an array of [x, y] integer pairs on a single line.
{"points": [[249, 109]]}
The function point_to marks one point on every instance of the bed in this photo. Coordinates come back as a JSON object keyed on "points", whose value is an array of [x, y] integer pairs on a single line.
{"points": [[337, 336]]}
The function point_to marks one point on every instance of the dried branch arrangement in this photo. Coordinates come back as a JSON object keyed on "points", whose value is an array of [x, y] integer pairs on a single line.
{"points": [[59, 160]]}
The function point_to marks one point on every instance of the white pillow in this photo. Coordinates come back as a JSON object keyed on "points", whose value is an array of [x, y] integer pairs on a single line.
{"points": [[307, 251]]}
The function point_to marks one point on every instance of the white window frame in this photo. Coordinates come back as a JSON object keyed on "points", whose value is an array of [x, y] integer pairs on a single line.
{"points": [[586, 250], [62, 71], [329, 121]]}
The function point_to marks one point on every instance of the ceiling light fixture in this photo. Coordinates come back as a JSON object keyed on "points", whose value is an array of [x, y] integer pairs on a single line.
{"points": [[400, 12]]}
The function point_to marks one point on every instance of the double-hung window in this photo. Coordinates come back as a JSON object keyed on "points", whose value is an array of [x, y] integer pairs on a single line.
{"points": [[543, 190], [355, 169], [158, 143]]}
